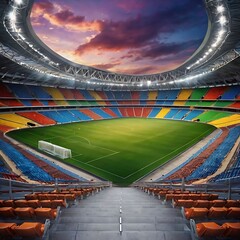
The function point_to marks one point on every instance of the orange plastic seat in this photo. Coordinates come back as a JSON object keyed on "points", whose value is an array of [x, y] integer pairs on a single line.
{"points": [[217, 212], [9, 203], [70, 197], [201, 204], [195, 213], [209, 229], [232, 203], [194, 196], [204, 196], [25, 213], [46, 213], [29, 230], [218, 203], [233, 212], [52, 196], [31, 197], [213, 197], [6, 229], [21, 203], [232, 230], [7, 212], [188, 203], [1, 203], [58, 202], [42, 196], [34, 203], [169, 196], [46, 203]]}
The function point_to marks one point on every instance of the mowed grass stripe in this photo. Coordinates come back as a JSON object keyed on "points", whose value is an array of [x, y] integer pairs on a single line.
{"points": [[119, 150]]}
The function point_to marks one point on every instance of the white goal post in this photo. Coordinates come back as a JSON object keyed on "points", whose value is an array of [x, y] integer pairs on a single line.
{"points": [[54, 149]]}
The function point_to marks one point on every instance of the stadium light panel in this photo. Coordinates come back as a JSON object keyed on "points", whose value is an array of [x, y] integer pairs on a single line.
{"points": [[222, 20], [12, 16], [220, 9], [18, 2]]}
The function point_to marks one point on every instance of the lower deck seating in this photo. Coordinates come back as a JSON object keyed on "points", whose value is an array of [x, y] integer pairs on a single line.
{"points": [[213, 162], [26, 230], [213, 230], [37, 117]]}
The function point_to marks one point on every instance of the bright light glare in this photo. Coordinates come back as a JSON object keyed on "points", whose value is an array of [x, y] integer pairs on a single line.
{"points": [[12, 16], [220, 9], [18, 2], [222, 20]]}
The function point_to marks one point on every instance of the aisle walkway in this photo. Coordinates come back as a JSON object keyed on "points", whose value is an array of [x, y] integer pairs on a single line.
{"points": [[98, 217]]}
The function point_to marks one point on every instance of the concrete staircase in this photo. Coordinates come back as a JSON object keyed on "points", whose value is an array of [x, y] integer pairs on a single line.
{"points": [[120, 214]]}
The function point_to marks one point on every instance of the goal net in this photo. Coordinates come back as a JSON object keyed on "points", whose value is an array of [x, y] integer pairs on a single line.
{"points": [[54, 149]]}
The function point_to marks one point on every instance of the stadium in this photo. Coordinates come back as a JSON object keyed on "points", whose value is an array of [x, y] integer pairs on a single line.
{"points": [[113, 145]]}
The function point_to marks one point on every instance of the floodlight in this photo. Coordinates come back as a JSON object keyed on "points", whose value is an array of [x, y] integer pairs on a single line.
{"points": [[222, 20], [12, 16], [220, 9]]}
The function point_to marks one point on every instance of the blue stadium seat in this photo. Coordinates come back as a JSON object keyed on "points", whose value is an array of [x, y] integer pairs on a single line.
{"points": [[116, 111], [87, 95], [180, 115], [231, 93], [154, 112], [193, 114], [143, 97], [81, 115], [55, 116], [101, 113], [20, 90], [68, 115], [39, 93], [122, 95], [27, 167], [171, 113], [213, 162]]}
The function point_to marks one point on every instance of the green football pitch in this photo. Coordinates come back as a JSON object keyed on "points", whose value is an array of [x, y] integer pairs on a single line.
{"points": [[119, 150]]}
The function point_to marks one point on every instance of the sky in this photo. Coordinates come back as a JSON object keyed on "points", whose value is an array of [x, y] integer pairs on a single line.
{"points": [[122, 36]]}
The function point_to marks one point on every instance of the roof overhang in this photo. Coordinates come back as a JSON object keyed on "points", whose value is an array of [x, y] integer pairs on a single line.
{"points": [[28, 60]]}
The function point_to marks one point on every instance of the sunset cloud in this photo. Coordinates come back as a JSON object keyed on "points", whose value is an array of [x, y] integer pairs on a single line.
{"points": [[125, 36]]}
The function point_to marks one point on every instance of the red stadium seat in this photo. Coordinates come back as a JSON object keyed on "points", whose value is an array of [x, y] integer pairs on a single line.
{"points": [[233, 212], [21, 203], [34, 203], [6, 230], [29, 230], [7, 212], [209, 229], [195, 213], [232, 230], [46, 213], [25, 213], [217, 212]]}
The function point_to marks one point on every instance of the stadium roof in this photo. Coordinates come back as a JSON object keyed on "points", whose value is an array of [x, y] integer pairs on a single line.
{"points": [[25, 59]]}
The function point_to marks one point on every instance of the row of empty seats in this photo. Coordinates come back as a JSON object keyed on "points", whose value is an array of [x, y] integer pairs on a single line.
{"points": [[212, 213], [22, 203], [26, 230], [27, 92], [28, 213], [188, 203], [213, 230]]}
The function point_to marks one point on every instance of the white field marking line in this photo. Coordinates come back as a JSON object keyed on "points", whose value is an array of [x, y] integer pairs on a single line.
{"points": [[96, 145], [163, 156], [102, 157], [98, 168], [88, 141]]}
